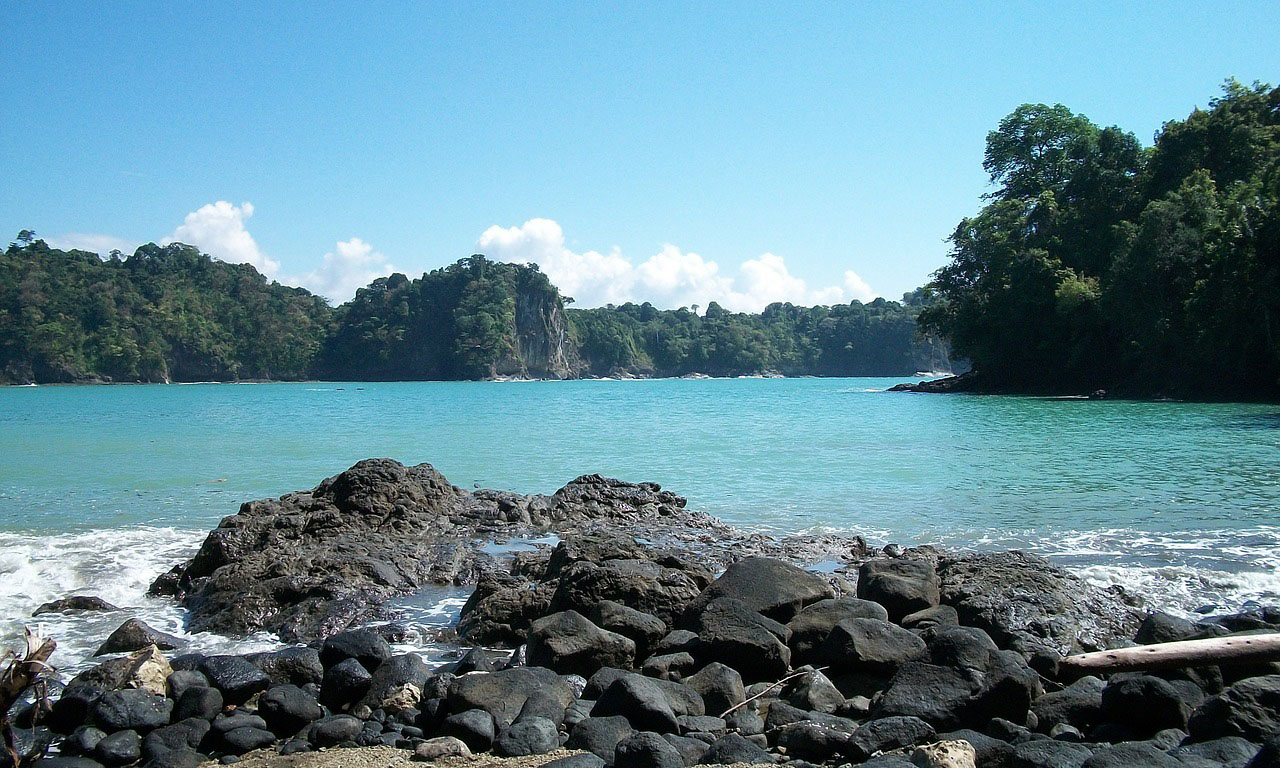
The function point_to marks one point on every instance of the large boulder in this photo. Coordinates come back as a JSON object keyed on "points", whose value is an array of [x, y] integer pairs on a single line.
{"points": [[642, 584], [903, 586], [1249, 709], [810, 627], [648, 704], [767, 586], [313, 563], [134, 635], [868, 646], [131, 709], [733, 634], [571, 645], [503, 694], [644, 629]]}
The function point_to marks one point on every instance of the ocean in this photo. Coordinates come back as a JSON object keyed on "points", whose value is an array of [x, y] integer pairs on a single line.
{"points": [[102, 488]]}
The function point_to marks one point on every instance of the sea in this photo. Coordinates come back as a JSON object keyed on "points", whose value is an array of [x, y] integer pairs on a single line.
{"points": [[102, 488]]}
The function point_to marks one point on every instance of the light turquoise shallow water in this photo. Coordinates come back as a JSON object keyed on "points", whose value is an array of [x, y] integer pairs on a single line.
{"points": [[103, 487]]}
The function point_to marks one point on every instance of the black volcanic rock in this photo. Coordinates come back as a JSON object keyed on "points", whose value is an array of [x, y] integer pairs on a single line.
{"points": [[313, 563]]}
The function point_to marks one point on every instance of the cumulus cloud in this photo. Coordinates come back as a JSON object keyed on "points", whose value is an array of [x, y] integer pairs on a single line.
{"points": [[218, 229], [94, 243], [669, 278], [351, 265]]}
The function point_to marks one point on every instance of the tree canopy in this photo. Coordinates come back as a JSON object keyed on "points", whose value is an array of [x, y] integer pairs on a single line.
{"points": [[1098, 263]]}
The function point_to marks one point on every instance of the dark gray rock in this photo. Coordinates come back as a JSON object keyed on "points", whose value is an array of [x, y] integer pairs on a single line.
{"points": [[990, 751], [364, 645], [188, 734], [1269, 755], [542, 706], [82, 740], [602, 680], [75, 603], [180, 680], [691, 749], [1079, 705], [641, 701], [236, 678], [733, 634], [810, 741], [503, 694], [868, 646], [120, 748], [391, 676], [815, 692], [767, 586], [677, 641], [131, 709], [134, 635], [646, 750], [600, 735], [334, 730], [345, 683], [1249, 709], [745, 721], [1129, 754], [577, 761], [642, 584], [732, 748], [313, 563], [474, 727], [475, 660], [178, 758], [1160, 627], [298, 665], [287, 709], [74, 706], [810, 627], [68, 761], [1231, 751], [887, 733], [530, 736], [570, 644], [719, 686], [937, 617], [1048, 753], [242, 740], [204, 703], [239, 718], [644, 629], [1145, 704], [1026, 603], [669, 666], [903, 586]]}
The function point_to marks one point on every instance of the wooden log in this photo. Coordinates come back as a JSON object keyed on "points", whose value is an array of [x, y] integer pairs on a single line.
{"points": [[1237, 649]]}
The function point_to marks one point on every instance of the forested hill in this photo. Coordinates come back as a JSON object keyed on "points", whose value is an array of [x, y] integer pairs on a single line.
{"points": [[173, 314], [1100, 264]]}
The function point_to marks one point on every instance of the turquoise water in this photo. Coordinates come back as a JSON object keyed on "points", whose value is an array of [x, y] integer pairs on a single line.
{"points": [[104, 487]]}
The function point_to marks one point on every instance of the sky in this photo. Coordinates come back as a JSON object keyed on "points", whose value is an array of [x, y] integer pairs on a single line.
{"points": [[676, 153]]}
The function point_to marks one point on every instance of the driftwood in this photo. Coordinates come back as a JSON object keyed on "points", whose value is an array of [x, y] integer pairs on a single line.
{"points": [[25, 672], [1238, 649]]}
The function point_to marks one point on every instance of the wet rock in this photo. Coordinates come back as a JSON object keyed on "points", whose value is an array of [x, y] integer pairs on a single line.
{"points": [[131, 709], [646, 750], [363, 645], [287, 709], [134, 635], [345, 683], [241, 740], [887, 733], [475, 727], [600, 735], [235, 677], [180, 680], [75, 603], [530, 736], [197, 701], [1249, 709], [1026, 603], [770, 587], [570, 644], [1160, 627], [397, 683], [298, 665], [501, 608], [474, 660]]}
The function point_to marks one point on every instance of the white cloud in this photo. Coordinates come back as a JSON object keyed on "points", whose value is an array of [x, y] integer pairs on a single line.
{"points": [[94, 243], [670, 278], [218, 230], [351, 265]]}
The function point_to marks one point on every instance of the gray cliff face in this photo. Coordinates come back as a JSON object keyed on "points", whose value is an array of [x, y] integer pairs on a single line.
{"points": [[542, 347]]}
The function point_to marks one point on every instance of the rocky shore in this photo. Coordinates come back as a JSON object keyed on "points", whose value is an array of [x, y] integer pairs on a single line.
{"points": [[649, 636]]}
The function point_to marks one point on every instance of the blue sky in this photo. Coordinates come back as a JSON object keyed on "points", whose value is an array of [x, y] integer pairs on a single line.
{"points": [[670, 152]]}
